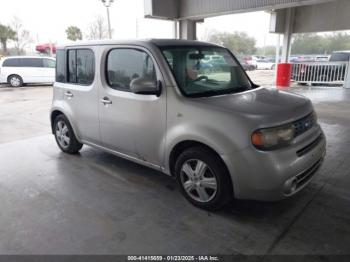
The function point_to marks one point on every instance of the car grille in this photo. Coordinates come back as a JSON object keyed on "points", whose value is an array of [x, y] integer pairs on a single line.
{"points": [[304, 124], [306, 176], [310, 146]]}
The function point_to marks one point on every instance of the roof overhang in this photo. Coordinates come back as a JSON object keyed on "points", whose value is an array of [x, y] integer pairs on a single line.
{"points": [[200, 9]]}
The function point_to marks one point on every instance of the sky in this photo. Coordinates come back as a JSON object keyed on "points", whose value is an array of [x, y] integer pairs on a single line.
{"points": [[47, 20]]}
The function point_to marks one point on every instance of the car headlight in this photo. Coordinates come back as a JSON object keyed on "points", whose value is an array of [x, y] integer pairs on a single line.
{"points": [[273, 138]]}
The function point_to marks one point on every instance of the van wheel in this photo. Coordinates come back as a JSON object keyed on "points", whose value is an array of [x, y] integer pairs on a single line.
{"points": [[203, 178], [65, 136], [15, 81]]}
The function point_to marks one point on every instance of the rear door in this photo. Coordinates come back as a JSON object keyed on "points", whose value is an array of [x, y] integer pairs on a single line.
{"points": [[80, 92]]}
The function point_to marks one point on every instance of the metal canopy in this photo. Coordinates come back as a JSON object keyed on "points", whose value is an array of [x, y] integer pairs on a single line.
{"points": [[199, 9]]}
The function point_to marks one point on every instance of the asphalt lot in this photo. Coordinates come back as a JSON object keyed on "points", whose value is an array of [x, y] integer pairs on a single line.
{"points": [[96, 203]]}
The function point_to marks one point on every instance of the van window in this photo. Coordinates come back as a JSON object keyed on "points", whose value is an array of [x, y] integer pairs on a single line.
{"points": [[61, 66], [72, 66], [11, 62], [32, 62], [49, 63], [85, 66], [124, 65]]}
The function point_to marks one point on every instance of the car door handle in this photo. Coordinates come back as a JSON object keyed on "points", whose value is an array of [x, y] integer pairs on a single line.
{"points": [[106, 101], [68, 94]]}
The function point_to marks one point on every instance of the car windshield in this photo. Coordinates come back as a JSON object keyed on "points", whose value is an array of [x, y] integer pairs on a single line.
{"points": [[206, 71]]}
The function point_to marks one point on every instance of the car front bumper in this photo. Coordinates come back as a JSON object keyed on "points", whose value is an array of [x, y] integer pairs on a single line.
{"points": [[275, 175]]}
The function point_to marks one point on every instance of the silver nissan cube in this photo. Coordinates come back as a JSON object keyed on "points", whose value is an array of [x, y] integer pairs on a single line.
{"points": [[189, 110]]}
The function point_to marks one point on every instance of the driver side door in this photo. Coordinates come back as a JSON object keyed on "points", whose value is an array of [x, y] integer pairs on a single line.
{"points": [[132, 124]]}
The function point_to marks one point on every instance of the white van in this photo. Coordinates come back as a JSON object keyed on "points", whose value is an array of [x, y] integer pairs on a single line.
{"points": [[19, 70]]}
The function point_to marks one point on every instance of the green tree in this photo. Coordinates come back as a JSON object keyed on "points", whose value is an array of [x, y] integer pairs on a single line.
{"points": [[269, 50], [238, 42], [6, 34], [74, 33], [320, 44]]}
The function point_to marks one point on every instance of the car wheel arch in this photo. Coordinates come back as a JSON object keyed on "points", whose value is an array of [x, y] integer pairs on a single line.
{"points": [[186, 144], [55, 113]]}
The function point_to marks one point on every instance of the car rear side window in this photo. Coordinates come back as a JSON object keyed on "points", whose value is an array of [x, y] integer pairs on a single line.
{"points": [[81, 66], [12, 62], [125, 65], [61, 66], [85, 66]]}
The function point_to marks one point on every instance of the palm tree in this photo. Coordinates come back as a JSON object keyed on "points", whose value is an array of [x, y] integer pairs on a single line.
{"points": [[74, 33], [6, 33]]}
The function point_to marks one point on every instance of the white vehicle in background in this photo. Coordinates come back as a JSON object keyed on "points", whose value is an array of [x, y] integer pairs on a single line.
{"points": [[253, 60], [19, 70], [265, 64]]}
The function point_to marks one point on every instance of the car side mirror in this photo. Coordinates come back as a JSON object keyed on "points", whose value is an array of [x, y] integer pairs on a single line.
{"points": [[145, 86]]}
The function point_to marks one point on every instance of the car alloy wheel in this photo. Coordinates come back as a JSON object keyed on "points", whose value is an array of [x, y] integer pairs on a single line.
{"points": [[198, 181], [15, 81], [62, 134]]}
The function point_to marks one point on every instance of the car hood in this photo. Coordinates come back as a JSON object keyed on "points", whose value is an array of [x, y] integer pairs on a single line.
{"points": [[267, 106]]}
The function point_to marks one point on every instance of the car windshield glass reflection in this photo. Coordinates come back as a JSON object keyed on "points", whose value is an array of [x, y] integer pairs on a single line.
{"points": [[206, 71]]}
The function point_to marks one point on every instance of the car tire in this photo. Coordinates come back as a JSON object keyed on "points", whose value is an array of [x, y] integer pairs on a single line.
{"points": [[203, 178], [15, 81], [65, 137]]}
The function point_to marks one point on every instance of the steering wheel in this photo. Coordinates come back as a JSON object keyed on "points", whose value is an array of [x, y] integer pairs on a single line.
{"points": [[201, 78]]}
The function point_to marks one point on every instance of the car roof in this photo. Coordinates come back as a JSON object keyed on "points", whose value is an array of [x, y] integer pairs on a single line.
{"points": [[140, 42]]}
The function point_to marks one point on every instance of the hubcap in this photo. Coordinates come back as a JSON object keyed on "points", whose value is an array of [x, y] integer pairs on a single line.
{"points": [[62, 134], [198, 180], [15, 81]]}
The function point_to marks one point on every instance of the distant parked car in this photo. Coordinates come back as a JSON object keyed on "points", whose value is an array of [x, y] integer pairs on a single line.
{"points": [[324, 58], [252, 60], [46, 48], [320, 73], [246, 66], [268, 64], [217, 62], [19, 70]]}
